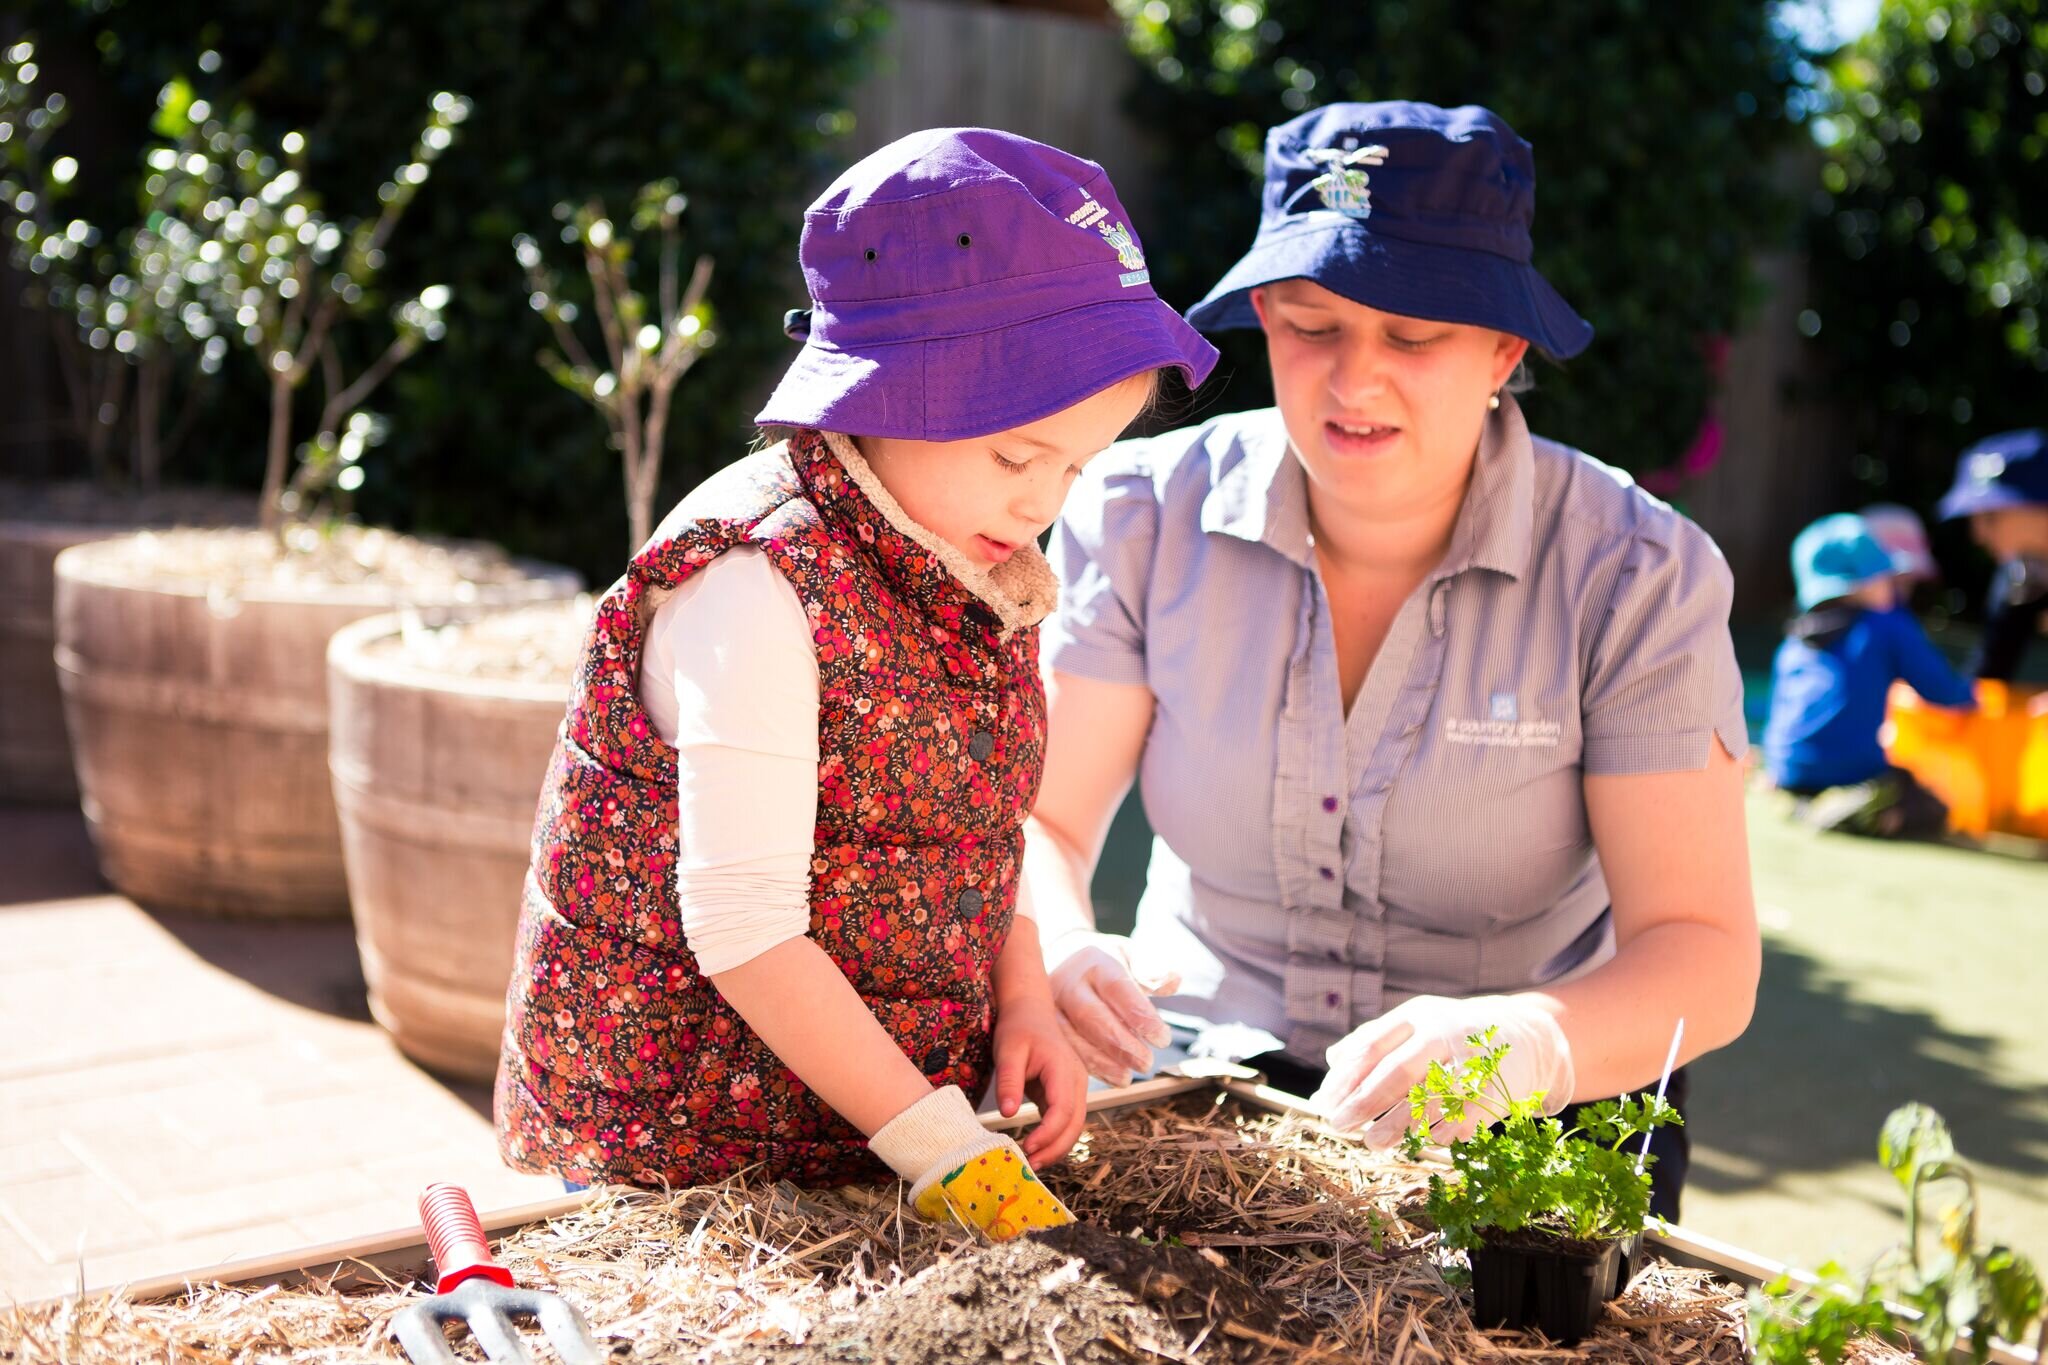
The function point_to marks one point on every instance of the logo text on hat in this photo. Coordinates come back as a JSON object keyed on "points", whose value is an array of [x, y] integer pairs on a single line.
{"points": [[1343, 186], [1093, 215]]}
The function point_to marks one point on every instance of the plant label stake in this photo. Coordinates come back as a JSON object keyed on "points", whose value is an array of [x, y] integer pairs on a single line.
{"points": [[1663, 1082]]}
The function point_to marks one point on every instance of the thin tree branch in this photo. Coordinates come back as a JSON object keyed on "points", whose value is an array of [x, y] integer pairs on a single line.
{"points": [[366, 383]]}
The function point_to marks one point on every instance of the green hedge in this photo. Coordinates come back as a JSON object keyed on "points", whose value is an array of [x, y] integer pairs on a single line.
{"points": [[573, 98], [1654, 126], [1930, 244]]}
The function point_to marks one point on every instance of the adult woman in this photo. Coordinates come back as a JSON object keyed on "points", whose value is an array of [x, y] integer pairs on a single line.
{"points": [[1438, 724]]}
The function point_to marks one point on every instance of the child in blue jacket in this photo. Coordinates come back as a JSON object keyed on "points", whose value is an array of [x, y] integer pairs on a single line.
{"points": [[1851, 640]]}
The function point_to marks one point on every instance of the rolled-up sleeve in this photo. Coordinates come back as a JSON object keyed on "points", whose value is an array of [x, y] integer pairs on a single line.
{"points": [[1102, 551], [1662, 680]]}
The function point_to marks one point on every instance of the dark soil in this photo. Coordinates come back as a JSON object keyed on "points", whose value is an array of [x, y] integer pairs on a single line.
{"points": [[1077, 1294]]}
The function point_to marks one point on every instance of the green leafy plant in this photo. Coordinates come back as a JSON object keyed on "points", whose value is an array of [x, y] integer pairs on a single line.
{"points": [[112, 309], [1520, 1170], [648, 348], [573, 100], [268, 268], [1961, 1296], [1793, 1326]]}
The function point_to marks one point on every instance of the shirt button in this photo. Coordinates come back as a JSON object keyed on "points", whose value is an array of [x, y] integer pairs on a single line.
{"points": [[970, 902], [981, 746], [1332, 1000], [1329, 803], [1328, 874]]}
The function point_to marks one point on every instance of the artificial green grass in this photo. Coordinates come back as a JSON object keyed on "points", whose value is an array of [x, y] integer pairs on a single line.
{"points": [[1892, 972]]}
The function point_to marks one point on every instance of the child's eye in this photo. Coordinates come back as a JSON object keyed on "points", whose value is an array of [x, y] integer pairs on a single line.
{"points": [[1312, 333], [1412, 343], [1014, 466]]}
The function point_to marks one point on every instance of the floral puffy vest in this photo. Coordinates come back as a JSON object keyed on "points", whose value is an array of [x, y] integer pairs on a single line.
{"points": [[621, 1062]]}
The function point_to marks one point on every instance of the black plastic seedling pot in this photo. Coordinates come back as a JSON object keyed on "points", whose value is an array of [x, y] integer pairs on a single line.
{"points": [[1561, 1288]]}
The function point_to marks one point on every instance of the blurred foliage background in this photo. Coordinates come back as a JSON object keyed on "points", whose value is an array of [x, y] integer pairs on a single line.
{"points": [[573, 99], [1928, 237], [1675, 145], [1655, 129]]}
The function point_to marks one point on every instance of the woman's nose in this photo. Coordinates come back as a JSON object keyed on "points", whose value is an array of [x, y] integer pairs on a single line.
{"points": [[1355, 374]]}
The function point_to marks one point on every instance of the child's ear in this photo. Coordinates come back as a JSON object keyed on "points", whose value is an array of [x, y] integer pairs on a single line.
{"points": [[1259, 303]]}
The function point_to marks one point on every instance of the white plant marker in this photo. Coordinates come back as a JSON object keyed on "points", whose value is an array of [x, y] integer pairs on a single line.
{"points": [[1670, 1060]]}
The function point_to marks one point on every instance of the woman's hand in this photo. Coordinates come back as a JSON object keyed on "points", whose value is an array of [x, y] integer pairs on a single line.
{"points": [[1103, 1007], [1034, 1058], [1373, 1067]]}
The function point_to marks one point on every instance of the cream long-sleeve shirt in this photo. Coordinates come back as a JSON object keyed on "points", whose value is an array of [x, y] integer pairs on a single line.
{"points": [[729, 676]]}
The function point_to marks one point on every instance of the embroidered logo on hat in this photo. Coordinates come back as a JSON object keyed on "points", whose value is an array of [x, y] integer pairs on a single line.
{"points": [[1342, 186], [1986, 466], [1093, 215]]}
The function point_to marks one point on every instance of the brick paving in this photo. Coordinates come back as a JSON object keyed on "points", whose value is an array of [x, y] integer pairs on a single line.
{"points": [[177, 1093]]}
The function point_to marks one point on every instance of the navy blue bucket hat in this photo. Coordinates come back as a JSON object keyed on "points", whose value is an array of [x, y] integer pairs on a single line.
{"points": [[1407, 208], [2006, 470]]}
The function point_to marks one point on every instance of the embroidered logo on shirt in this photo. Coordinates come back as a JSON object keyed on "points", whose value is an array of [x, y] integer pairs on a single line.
{"points": [[1503, 728], [1342, 185], [1094, 216]]}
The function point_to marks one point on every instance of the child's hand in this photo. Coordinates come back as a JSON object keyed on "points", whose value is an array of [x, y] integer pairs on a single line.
{"points": [[1034, 1057]]}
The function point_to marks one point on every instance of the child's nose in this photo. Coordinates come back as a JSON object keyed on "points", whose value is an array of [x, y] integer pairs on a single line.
{"points": [[1040, 503]]}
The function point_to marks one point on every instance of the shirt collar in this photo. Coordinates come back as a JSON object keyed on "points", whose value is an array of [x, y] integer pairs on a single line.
{"points": [[1263, 498], [1496, 522]]}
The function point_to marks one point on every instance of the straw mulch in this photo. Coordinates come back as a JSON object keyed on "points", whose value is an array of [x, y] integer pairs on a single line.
{"points": [[1209, 1233]]}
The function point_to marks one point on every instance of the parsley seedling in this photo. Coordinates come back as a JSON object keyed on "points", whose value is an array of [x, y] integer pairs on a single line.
{"points": [[1523, 1171]]}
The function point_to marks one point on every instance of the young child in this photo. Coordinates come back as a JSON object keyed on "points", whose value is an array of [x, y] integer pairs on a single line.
{"points": [[2002, 487], [1828, 686], [1900, 533], [771, 922]]}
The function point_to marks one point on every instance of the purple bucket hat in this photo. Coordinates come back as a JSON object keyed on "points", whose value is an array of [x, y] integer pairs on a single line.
{"points": [[965, 281]]}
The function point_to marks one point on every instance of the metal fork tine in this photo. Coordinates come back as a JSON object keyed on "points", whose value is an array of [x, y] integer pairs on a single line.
{"points": [[487, 1310], [418, 1330]]}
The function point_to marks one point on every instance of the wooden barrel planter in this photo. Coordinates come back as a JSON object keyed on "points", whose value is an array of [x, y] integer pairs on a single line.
{"points": [[198, 714], [440, 742], [37, 522]]}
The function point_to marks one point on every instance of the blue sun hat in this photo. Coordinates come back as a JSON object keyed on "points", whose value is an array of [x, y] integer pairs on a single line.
{"points": [[1407, 208], [1834, 557], [2006, 470]]}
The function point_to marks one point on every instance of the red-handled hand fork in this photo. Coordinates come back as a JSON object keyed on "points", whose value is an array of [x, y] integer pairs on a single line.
{"points": [[477, 1290]]}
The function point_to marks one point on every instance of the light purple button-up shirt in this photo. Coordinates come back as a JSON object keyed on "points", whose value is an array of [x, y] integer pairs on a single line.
{"points": [[1310, 869]]}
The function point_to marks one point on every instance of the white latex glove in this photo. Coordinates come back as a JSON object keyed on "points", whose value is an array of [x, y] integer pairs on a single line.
{"points": [[1101, 994], [1373, 1067]]}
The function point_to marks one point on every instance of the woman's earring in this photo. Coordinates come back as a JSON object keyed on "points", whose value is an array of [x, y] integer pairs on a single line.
{"points": [[1493, 400]]}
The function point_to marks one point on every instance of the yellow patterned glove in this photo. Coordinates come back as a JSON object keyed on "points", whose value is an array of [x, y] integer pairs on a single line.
{"points": [[993, 1189], [961, 1172]]}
